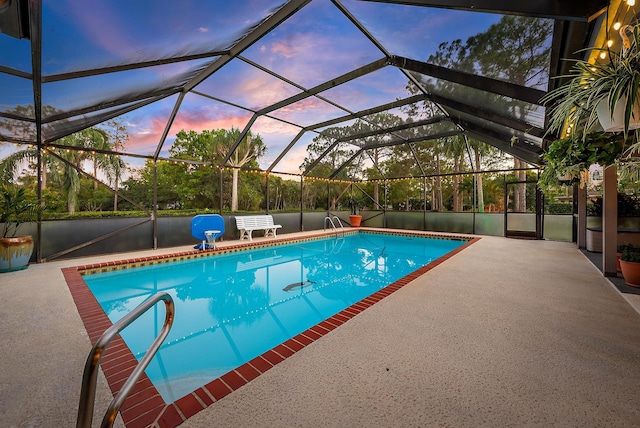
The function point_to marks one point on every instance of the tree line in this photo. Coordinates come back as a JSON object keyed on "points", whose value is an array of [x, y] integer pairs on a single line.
{"points": [[199, 183]]}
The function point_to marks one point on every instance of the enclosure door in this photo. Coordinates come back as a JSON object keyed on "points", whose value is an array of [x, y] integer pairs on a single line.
{"points": [[522, 210]]}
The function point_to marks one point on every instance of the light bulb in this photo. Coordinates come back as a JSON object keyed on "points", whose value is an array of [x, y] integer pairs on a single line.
{"points": [[603, 55], [609, 43], [617, 26], [631, 2]]}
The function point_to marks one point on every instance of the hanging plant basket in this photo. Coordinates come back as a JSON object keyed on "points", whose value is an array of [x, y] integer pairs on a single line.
{"points": [[567, 160], [614, 122], [603, 92]]}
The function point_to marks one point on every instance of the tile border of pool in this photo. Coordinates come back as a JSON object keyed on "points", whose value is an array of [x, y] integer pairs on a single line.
{"points": [[144, 406]]}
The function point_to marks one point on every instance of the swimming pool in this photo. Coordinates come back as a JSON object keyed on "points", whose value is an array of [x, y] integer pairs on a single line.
{"points": [[231, 308], [145, 406]]}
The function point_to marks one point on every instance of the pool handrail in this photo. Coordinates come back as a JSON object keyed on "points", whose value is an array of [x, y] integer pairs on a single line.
{"points": [[335, 217], [333, 225], [90, 376]]}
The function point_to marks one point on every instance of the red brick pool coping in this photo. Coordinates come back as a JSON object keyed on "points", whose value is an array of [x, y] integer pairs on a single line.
{"points": [[144, 407]]}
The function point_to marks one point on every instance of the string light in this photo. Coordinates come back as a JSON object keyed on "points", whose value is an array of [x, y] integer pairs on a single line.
{"points": [[603, 55], [631, 2], [617, 26], [609, 43]]}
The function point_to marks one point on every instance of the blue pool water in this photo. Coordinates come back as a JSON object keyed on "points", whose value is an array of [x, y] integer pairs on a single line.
{"points": [[233, 307]]}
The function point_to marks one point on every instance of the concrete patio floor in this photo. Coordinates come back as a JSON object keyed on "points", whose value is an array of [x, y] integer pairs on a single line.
{"points": [[505, 333]]}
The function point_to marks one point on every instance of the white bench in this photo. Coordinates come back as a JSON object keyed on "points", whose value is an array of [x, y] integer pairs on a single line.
{"points": [[247, 224]]}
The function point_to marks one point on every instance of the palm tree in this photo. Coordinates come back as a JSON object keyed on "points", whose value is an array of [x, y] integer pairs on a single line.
{"points": [[98, 141], [63, 164], [117, 166], [10, 165], [251, 147], [110, 164], [68, 177], [97, 148]]}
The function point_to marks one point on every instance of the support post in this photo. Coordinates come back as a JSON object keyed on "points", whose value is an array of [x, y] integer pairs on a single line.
{"points": [[424, 201], [539, 214], [221, 179], [328, 199], [266, 191], [302, 203], [154, 213], [474, 204], [581, 193], [506, 206], [609, 221], [384, 209], [41, 202]]}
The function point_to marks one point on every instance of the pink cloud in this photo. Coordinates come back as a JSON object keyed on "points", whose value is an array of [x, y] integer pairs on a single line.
{"points": [[270, 128], [199, 123], [307, 104], [293, 45], [312, 58], [308, 111], [144, 138], [292, 161], [258, 89]]}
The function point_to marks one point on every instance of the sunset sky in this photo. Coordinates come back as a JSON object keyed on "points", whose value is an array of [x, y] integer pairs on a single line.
{"points": [[314, 45]]}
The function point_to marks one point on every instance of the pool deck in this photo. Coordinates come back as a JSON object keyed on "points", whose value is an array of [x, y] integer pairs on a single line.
{"points": [[505, 333]]}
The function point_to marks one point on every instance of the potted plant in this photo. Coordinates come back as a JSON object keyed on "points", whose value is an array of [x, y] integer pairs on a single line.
{"points": [[567, 160], [355, 204], [619, 249], [630, 265], [600, 91], [15, 210]]}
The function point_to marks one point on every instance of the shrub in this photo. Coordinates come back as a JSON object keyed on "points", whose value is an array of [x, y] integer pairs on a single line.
{"points": [[630, 253], [559, 208]]}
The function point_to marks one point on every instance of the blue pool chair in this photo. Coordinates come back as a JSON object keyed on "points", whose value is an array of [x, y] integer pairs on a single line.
{"points": [[207, 228]]}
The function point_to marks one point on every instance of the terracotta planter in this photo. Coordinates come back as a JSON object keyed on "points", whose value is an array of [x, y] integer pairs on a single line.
{"points": [[618, 268], [631, 273], [355, 220], [15, 253]]}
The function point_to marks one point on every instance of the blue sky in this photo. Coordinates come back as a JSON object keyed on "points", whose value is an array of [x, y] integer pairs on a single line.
{"points": [[314, 45]]}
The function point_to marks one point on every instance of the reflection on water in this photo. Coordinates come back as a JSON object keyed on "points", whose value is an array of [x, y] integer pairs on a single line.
{"points": [[233, 307]]}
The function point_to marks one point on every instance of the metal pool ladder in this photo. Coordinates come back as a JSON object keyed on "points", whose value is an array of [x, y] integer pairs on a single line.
{"points": [[90, 376], [333, 225]]}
